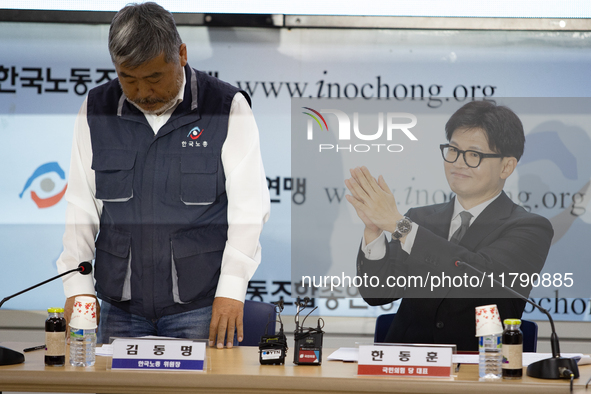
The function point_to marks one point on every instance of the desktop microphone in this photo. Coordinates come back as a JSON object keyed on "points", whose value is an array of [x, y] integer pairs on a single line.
{"points": [[555, 367], [8, 356], [84, 268]]}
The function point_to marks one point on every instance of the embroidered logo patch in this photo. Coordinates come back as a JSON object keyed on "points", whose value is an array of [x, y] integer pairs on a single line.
{"points": [[193, 135]]}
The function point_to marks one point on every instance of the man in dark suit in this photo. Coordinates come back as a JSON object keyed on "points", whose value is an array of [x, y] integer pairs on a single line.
{"points": [[480, 226]]}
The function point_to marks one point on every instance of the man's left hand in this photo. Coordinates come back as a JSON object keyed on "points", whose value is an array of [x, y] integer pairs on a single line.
{"points": [[226, 316]]}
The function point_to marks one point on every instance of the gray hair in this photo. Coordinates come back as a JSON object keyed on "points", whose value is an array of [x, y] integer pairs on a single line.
{"points": [[140, 33]]}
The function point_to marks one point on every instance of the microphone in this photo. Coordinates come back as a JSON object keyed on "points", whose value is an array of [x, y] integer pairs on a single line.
{"points": [[8, 356], [556, 367], [299, 305], [84, 268]]}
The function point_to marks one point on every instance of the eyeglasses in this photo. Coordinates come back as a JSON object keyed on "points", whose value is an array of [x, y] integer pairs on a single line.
{"points": [[472, 158]]}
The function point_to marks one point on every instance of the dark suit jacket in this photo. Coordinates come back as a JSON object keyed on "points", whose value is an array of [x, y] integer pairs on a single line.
{"points": [[504, 238]]}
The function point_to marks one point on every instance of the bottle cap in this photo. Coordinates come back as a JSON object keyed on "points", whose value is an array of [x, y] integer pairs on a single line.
{"points": [[55, 310], [488, 321], [512, 322]]}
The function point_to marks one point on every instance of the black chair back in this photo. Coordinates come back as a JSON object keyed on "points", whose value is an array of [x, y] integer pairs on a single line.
{"points": [[256, 316]]}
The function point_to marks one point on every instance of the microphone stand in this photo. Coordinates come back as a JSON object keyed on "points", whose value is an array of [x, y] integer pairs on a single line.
{"points": [[556, 367], [9, 356]]}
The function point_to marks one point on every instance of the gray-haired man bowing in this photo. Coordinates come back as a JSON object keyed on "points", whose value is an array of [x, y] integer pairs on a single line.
{"points": [[166, 169]]}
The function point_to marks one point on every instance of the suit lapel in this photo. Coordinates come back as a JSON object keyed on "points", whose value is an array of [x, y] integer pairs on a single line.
{"points": [[488, 221], [438, 222]]}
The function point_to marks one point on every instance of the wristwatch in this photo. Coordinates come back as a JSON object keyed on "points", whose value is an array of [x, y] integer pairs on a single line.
{"points": [[403, 227]]}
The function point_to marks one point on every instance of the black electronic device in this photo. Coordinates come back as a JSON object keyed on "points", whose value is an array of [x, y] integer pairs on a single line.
{"points": [[8, 356], [556, 367], [273, 347], [308, 340]]}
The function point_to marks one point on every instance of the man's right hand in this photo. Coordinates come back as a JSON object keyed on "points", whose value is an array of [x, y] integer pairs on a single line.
{"points": [[69, 307], [371, 231], [374, 199]]}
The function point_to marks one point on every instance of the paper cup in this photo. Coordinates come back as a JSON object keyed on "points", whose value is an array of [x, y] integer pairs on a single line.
{"points": [[84, 313], [488, 321]]}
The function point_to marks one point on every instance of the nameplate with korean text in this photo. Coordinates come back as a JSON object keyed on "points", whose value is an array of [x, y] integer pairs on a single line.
{"points": [[401, 360], [158, 354]]}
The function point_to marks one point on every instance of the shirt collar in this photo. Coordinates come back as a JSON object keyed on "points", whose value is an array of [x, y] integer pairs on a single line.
{"points": [[475, 211], [181, 93]]}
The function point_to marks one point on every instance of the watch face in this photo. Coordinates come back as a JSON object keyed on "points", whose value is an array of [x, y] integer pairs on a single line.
{"points": [[404, 226]]}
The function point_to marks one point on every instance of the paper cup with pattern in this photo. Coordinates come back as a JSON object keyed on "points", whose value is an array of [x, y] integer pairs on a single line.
{"points": [[488, 321], [84, 313]]}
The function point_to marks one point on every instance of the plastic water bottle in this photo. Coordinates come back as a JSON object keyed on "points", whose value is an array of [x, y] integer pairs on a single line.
{"points": [[82, 347], [490, 357]]}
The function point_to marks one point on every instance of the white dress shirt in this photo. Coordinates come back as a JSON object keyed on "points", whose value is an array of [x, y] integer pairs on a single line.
{"points": [[246, 188], [376, 249]]}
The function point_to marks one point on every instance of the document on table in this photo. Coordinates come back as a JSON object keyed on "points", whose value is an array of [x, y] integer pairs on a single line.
{"points": [[346, 354], [104, 350]]}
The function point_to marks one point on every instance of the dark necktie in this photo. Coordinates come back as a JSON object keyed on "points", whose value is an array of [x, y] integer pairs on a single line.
{"points": [[459, 234]]}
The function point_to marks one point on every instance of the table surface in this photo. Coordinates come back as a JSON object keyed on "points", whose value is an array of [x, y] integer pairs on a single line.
{"points": [[238, 370]]}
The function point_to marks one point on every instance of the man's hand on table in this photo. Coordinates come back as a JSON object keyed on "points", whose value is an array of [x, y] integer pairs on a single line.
{"points": [[226, 316]]}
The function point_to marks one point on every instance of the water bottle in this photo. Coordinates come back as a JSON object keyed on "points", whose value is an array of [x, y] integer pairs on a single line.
{"points": [[82, 347], [83, 332], [490, 357]]}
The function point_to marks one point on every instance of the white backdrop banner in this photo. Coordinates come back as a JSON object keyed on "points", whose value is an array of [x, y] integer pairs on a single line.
{"points": [[47, 69]]}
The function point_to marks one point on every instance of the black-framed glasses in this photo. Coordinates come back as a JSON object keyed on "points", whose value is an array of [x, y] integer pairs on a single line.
{"points": [[472, 158]]}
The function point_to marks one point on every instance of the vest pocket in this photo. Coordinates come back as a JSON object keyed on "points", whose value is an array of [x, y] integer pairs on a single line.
{"points": [[196, 260], [112, 267], [198, 179], [114, 174]]}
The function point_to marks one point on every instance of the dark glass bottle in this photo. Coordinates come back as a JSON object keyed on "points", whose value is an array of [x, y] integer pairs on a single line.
{"points": [[55, 338], [512, 349]]}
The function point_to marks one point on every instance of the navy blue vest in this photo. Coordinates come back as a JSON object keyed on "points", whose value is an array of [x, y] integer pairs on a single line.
{"points": [[164, 222]]}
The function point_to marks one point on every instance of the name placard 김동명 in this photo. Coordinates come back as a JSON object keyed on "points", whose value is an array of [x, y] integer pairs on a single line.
{"points": [[158, 354]]}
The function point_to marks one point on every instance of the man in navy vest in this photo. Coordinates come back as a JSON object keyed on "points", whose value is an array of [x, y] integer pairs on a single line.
{"points": [[166, 169], [480, 226]]}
